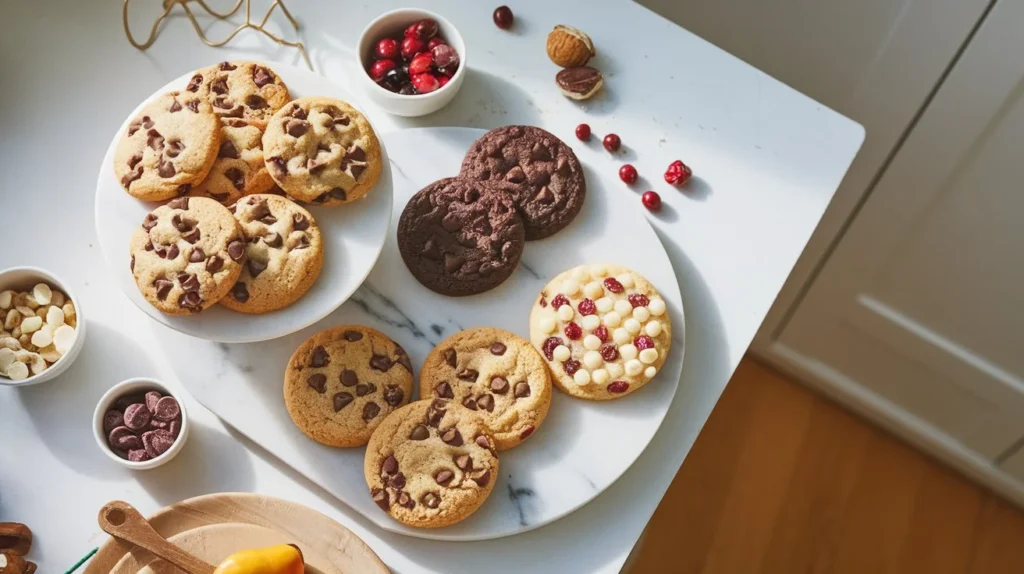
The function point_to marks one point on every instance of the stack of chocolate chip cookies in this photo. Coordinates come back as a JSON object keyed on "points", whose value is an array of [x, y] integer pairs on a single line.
{"points": [[465, 235], [236, 156]]}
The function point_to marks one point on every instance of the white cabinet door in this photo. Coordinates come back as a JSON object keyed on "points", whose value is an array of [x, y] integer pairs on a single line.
{"points": [[921, 306]]}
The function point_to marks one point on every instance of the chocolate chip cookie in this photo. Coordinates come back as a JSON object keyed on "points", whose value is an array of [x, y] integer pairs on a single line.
{"points": [[168, 147], [495, 373], [187, 254], [430, 464], [243, 90], [547, 179], [341, 383], [603, 329], [460, 236], [239, 169], [322, 151], [284, 254]]}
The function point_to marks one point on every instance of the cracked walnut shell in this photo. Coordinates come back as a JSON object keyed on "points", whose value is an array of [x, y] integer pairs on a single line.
{"points": [[569, 47]]}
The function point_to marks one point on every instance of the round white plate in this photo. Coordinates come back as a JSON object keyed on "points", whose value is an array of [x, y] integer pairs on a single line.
{"points": [[580, 449], [353, 237]]}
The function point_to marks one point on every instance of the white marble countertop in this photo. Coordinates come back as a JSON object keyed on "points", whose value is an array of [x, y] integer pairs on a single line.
{"points": [[767, 159]]}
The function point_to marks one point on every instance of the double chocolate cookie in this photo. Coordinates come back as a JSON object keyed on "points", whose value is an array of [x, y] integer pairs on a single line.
{"points": [[540, 170], [460, 236], [341, 383]]}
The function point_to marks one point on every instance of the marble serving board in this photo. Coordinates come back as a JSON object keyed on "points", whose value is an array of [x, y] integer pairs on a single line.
{"points": [[581, 448]]}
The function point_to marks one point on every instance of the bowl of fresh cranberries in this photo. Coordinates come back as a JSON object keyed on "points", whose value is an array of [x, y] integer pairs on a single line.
{"points": [[413, 60]]}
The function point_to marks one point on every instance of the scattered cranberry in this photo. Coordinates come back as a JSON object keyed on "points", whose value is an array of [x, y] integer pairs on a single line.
{"points": [[420, 64], [426, 83], [602, 333], [573, 331], [558, 301], [380, 68], [583, 132], [618, 387], [434, 42], [678, 173], [609, 352], [587, 307], [503, 17], [643, 342], [549, 346], [442, 80], [627, 173], [411, 46], [638, 300], [652, 200], [571, 366], [612, 284], [388, 49], [612, 142], [444, 56]]}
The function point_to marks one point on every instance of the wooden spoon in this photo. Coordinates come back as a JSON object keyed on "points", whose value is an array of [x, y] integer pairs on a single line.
{"points": [[121, 520]]}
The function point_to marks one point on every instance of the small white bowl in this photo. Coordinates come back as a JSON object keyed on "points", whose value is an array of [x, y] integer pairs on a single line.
{"points": [[393, 24], [131, 387], [24, 278]]}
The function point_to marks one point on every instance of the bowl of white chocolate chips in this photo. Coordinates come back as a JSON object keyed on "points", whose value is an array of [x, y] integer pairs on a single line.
{"points": [[43, 328]]}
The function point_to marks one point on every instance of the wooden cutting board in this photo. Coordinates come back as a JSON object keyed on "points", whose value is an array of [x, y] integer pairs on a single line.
{"points": [[216, 525]]}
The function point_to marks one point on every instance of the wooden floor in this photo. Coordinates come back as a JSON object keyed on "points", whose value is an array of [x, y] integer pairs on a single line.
{"points": [[784, 481]]}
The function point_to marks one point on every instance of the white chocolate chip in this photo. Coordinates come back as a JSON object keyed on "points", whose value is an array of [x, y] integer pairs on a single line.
{"points": [[593, 290], [626, 279], [570, 287], [565, 313], [547, 324], [25, 340], [621, 336], [653, 328], [628, 351], [42, 294], [69, 311], [641, 313], [580, 274], [614, 370], [592, 359], [10, 343], [31, 324], [600, 376], [38, 364], [648, 356], [16, 332], [581, 377], [17, 371], [604, 305], [54, 316], [598, 270], [592, 342], [23, 356], [657, 307], [12, 320], [612, 319], [64, 338], [43, 337], [41, 313], [649, 373], [561, 353], [590, 322], [634, 367], [26, 311], [632, 325], [6, 299], [6, 359], [30, 302], [622, 307], [49, 354], [57, 298]]}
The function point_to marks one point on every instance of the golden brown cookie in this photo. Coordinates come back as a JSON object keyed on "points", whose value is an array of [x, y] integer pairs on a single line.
{"points": [[341, 383], [244, 90], [493, 372], [239, 169], [603, 329], [430, 464]]}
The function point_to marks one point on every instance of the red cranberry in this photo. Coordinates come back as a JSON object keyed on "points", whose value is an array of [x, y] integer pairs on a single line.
{"points": [[411, 30], [449, 71], [627, 173], [583, 132], [652, 200], [602, 333], [609, 352], [571, 366], [558, 301], [618, 387], [503, 17], [573, 331], [411, 46], [420, 64], [445, 56], [424, 29], [678, 173], [434, 42], [612, 142], [425, 83], [442, 81], [643, 342], [638, 300], [549, 346], [381, 67], [388, 49], [612, 284], [587, 307]]}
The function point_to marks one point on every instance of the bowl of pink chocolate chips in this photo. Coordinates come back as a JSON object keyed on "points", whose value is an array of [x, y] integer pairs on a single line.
{"points": [[139, 424]]}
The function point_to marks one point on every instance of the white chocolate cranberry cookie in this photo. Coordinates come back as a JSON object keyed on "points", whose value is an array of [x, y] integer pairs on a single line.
{"points": [[284, 254], [322, 151], [187, 254], [493, 372], [430, 464], [604, 331], [168, 147], [244, 90], [239, 169]]}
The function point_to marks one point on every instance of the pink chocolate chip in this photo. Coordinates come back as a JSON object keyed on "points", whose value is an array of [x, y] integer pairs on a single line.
{"points": [[175, 428], [138, 455], [159, 424], [151, 399], [167, 409], [156, 442], [136, 417], [122, 438], [112, 420]]}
